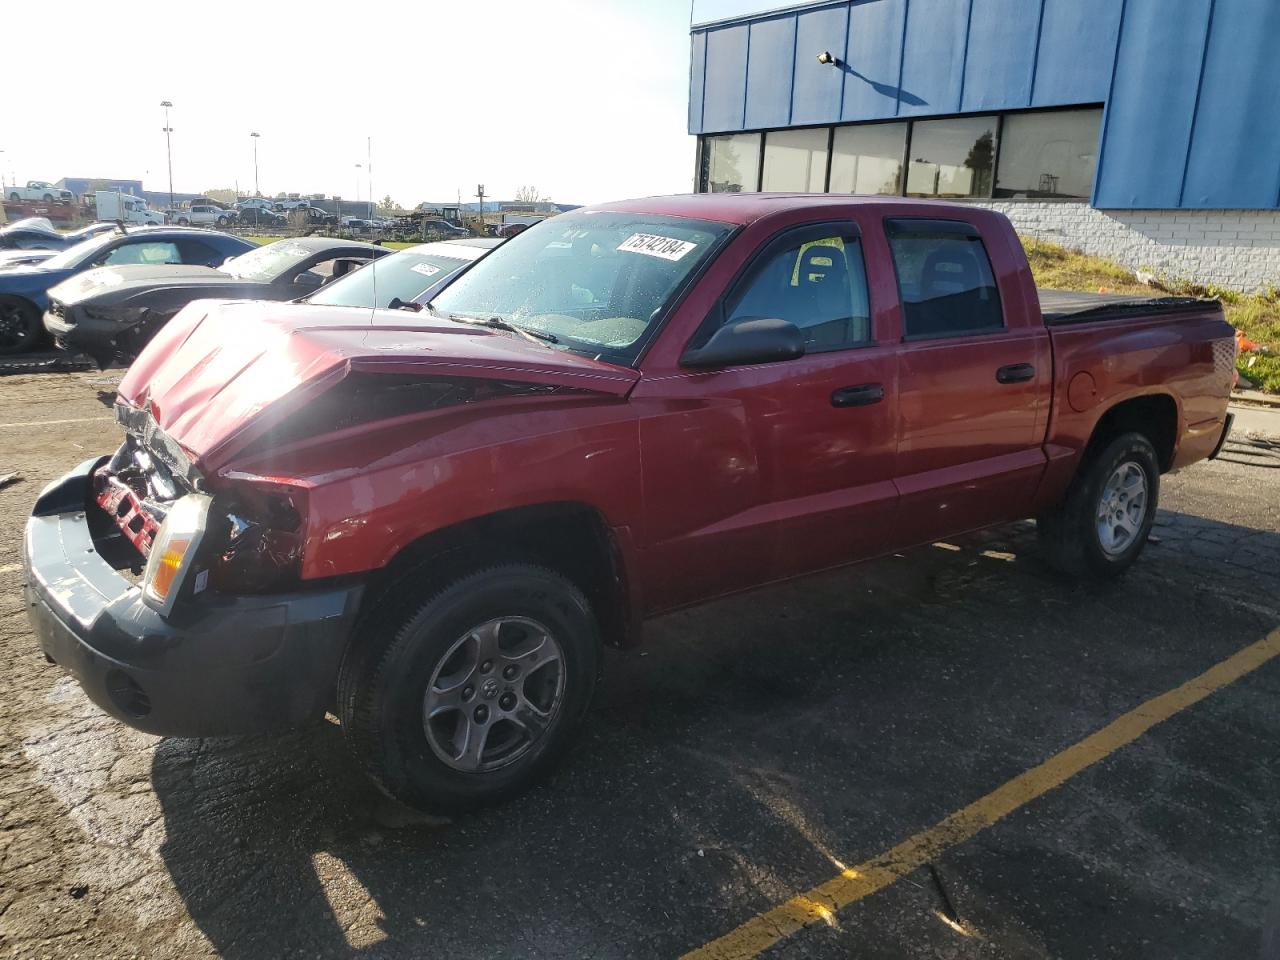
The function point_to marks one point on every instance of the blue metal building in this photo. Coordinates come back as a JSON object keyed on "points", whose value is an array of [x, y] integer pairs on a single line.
{"points": [[1129, 104]]}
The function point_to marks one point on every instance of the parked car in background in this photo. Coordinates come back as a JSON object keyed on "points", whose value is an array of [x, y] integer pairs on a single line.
{"points": [[24, 290], [38, 234], [507, 230], [642, 406], [261, 217], [315, 217], [39, 190], [292, 203], [112, 312], [261, 203], [31, 233], [18, 257], [113, 205], [442, 228], [407, 278], [202, 215]]}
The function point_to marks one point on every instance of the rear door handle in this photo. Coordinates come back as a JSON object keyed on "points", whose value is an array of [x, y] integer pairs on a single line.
{"points": [[1015, 373], [862, 395]]}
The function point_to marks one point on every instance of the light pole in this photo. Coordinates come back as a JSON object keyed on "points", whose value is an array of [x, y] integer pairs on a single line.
{"points": [[168, 146], [255, 135], [358, 166]]}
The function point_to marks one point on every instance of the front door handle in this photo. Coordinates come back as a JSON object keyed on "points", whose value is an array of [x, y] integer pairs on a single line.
{"points": [[862, 395], [1015, 373]]}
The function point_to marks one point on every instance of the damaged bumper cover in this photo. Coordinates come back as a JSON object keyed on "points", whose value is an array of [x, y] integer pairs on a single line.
{"points": [[103, 335], [218, 665]]}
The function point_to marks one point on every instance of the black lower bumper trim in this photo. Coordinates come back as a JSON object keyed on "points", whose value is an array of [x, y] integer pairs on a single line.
{"points": [[1226, 431], [217, 666]]}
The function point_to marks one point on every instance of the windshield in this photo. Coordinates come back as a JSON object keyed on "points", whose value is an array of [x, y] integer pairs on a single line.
{"points": [[596, 280], [73, 257], [265, 264], [406, 275]]}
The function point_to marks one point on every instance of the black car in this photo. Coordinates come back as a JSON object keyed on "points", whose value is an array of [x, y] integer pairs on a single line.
{"points": [[257, 216], [110, 314], [24, 290]]}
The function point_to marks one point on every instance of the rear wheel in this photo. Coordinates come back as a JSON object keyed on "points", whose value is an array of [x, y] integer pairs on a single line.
{"points": [[20, 328], [1102, 525], [183, 221], [472, 693], [14, 196]]}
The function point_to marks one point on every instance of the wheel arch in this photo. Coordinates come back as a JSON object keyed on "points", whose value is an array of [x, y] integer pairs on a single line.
{"points": [[571, 537], [1155, 415]]}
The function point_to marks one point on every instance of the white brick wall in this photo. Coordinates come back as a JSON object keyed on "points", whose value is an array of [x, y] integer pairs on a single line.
{"points": [[1239, 249]]}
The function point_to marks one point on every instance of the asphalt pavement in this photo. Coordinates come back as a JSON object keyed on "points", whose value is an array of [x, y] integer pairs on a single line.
{"points": [[954, 752]]}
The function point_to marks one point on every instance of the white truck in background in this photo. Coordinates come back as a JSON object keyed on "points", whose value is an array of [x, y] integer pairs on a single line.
{"points": [[37, 190], [112, 205]]}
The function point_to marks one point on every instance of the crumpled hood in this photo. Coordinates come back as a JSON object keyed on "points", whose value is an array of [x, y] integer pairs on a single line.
{"points": [[130, 278], [221, 373]]}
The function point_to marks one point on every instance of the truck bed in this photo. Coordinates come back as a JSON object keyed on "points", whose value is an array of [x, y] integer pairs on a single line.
{"points": [[1067, 306]]}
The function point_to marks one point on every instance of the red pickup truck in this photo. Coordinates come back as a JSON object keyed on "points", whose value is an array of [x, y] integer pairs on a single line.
{"points": [[429, 521]]}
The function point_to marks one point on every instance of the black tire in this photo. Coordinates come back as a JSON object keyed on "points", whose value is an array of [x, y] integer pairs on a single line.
{"points": [[394, 658], [183, 221], [48, 198], [20, 326], [14, 196], [223, 221], [1071, 534]]}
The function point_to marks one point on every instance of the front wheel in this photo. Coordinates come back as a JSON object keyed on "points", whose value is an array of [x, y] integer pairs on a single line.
{"points": [[471, 694], [222, 221], [48, 198], [20, 327], [1103, 523]]}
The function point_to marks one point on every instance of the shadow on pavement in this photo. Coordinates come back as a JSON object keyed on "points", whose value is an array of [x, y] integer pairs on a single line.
{"points": [[752, 747]]}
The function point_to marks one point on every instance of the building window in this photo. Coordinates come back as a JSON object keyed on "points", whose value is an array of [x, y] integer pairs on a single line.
{"points": [[944, 277], [731, 164], [868, 158], [796, 161], [1048, 154], [952, 158]]}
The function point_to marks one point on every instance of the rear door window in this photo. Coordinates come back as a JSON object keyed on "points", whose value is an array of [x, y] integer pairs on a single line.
{"points": [[944, 278]]}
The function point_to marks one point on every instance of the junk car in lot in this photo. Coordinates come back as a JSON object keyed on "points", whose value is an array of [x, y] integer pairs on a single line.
{"points": [[261, 217], [24, 290], [110, 313], [431, 524], [407, 279]]}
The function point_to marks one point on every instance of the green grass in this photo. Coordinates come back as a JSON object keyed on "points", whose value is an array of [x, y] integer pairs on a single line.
{"points": [[1257, 315]]}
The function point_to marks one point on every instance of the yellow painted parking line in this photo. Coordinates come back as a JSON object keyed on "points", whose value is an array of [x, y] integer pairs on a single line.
{"points": [[849, 886]]}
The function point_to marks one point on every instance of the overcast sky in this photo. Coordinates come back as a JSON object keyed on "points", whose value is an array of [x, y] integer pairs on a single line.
{"points": [[586, 101]]}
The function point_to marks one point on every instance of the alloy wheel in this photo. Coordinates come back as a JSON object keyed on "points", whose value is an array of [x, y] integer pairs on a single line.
{"points": [[1122, 508], [493, 694]]}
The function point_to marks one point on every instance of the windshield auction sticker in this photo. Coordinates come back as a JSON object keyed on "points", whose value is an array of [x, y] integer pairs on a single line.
{"points": [[655, 246], [426, 269]]}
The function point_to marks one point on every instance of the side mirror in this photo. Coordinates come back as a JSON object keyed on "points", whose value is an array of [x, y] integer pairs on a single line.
{"points": [[308, 279], [748, 341]]}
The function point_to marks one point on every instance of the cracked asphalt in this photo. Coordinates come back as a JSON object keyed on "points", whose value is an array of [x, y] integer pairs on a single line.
{"points": [[752, 748]]}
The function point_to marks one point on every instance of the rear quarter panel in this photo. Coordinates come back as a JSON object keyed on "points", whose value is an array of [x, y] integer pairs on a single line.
{"points": [[1188, 358]]}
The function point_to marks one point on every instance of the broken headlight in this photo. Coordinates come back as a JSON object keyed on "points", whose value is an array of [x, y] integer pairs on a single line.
{"points": [[261, 548]]}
